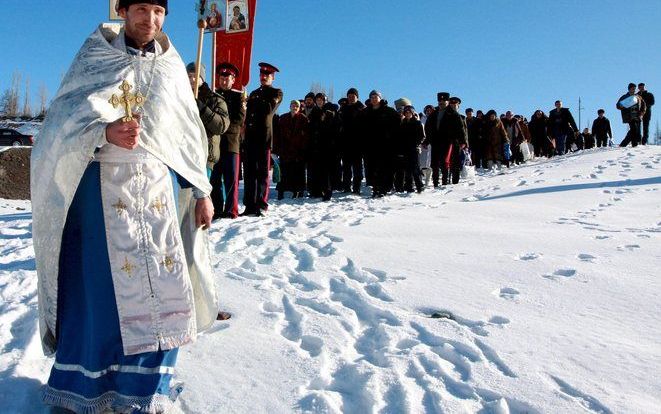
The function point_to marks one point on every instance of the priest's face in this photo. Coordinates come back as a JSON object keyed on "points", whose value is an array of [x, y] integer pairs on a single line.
{"points": [[143, 21]]}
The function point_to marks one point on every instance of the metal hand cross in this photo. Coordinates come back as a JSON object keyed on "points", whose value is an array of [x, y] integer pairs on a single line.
{"points": [[127, 100]]}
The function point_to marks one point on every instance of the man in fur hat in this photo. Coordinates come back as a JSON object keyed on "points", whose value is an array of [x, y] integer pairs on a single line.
{"points": [[123, 268]]}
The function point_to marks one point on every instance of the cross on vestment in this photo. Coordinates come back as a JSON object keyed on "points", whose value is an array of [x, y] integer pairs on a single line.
{"points": [[127, 100]]}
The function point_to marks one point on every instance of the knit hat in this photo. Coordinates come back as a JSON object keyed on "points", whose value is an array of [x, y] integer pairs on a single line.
{"points": [[126, 3], [401, 103], [377, 93], [190, 68], [353, 91], [309, 95], [295, 102]]}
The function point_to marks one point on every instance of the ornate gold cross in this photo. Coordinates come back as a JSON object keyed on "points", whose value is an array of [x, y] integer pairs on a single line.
{"points": [[127, 100], [120, 206], [128, 267], [169, 263], [158, 205]]}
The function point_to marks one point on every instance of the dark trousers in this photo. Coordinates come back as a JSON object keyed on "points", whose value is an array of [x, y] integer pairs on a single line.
{"points": [[633, 136], [292, 177], [646, 126], [320, 176], [408, 172], [352, 172], [225, 185], [256, 166], [451, 166], [560, 141], [436, 159], [383, 173], [602, 141]]}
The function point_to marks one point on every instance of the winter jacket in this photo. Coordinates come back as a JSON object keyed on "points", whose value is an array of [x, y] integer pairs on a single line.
{"points": [[450, 129], [350, 138], [601, 128], [379, 127], [411, 134], [648, 97], [474, 127], [291, 142], [513, 131], [322, 132], [561, 122], [230, 141], [496, 138], [538, 128], [216, 120], [263, 103], [637, 111]]}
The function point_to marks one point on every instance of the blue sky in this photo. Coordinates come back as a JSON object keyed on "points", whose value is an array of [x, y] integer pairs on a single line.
{"points": [[500, 54]]}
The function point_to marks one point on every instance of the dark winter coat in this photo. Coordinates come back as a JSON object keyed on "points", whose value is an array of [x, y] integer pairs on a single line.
{"points": [[450, 130], [648, 97], [561, 122], [230, 141], [513, 130], [601, 128], [216, 120], [291, 142], [263, 102], [411, 134], [637, 111], [474, 127], [350, 138], [538, 128], [496, 138], [322, 132], [379, 127]]}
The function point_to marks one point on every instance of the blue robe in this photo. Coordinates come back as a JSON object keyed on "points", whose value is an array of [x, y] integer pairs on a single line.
{"points": [[91, 373]]}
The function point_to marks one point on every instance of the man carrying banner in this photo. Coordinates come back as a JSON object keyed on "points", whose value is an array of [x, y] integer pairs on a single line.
{"points": [[263, 103], [121, 287]]}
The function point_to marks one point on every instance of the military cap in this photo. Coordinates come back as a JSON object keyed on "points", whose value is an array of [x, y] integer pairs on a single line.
{"points": [[455, 99], [227, 67], [267, 68], [442, 96], [126, 3]]}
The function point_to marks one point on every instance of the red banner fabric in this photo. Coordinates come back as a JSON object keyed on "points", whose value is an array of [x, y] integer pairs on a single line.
{"points": [[234, 45]]}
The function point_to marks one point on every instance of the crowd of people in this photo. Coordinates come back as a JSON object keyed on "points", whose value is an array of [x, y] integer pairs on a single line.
{"points": [[320, 147]]}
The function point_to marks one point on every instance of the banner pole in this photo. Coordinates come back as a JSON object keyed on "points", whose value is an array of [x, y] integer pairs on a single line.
{"points": [[213, 61], [201, 24]]}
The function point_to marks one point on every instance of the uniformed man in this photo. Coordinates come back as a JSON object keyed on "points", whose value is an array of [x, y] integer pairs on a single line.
{"points": [[225, 173], [263, 102]]}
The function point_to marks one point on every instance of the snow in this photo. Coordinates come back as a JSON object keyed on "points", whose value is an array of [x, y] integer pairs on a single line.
{"points": [[544, 280]]}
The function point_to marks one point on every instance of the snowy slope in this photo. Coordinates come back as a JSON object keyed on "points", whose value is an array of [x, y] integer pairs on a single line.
{"points": [[547, 276]]}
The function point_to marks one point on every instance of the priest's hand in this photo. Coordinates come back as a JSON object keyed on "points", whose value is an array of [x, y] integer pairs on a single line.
{"points": [[203, 213], [124, 134]]}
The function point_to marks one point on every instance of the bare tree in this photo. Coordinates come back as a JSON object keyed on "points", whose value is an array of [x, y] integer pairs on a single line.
{"points": [[43, 99], [317, 87], [11, 96], [27, 110]]}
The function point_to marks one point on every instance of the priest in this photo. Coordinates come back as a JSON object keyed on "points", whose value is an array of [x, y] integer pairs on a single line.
{"points": [[123, 267]]}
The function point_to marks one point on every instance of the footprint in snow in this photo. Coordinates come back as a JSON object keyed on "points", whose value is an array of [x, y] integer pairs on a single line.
{"points": [[586, 257], [629, 247], [566, 273], [530, 256], [507, 293], [499, 320]]}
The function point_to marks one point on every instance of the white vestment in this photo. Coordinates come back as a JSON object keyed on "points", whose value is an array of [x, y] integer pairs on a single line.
{"points": [[172, 138]]}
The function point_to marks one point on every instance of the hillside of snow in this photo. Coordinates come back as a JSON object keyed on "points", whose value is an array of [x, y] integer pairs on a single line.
{"points": [[543, 281]]}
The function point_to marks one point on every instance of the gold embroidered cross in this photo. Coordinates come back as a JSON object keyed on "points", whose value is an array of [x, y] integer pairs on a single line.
{"points": [[127, 100], [158, 205], [128, 267], [120, 206], [169, 263]]}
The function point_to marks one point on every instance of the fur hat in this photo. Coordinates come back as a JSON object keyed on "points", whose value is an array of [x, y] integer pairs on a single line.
{"points": [[126, 3]]}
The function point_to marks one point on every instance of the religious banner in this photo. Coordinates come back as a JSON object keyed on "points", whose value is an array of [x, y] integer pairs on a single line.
{"points": [[212, 12], [237, 10], [113, 10], [234, 45]]}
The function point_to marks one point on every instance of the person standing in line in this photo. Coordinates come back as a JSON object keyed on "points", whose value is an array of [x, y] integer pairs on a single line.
{"points": [[496, 138], [632, 108], [648, 97], [434, 135], [225, 173], [561, 127], [411, 135], [291, 146], [601, 129], [262, 105], [538, 127], [351, 142]]}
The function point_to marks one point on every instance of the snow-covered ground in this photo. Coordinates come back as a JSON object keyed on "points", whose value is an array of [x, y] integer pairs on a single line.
{"points": [[546, 277]]}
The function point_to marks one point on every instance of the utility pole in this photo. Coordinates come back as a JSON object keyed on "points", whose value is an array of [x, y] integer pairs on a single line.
{"points": [[657, 135], [580, 109]]}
